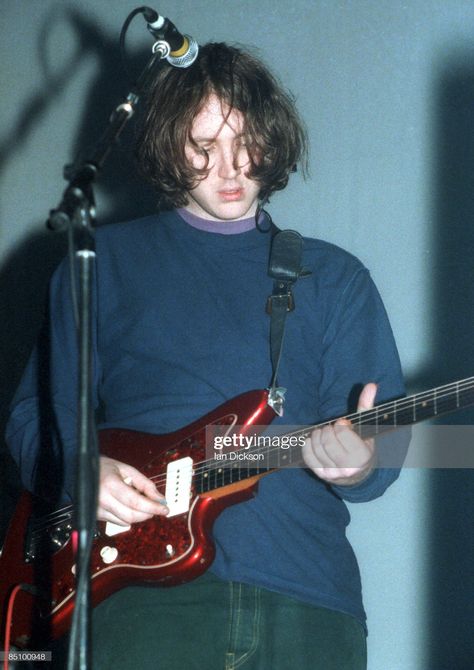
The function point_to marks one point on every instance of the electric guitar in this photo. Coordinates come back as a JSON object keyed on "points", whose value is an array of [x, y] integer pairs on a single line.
{"points": [[37, 569]]}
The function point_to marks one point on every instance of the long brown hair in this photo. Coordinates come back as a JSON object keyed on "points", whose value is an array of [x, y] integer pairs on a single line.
{"points": [[274, 132]]}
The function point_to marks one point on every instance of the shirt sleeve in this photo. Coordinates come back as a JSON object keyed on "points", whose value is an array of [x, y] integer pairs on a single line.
{"points": [[359, 348], [42, 427]]}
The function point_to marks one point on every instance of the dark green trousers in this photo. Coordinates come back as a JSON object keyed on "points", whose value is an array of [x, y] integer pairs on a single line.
{"points": [[210, 624]]}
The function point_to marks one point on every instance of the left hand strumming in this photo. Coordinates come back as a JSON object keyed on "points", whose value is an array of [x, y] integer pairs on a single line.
{"points": [[336, 453]]}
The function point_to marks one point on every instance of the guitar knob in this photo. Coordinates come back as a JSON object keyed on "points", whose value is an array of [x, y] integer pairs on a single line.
{"points": [[169, 550], [108, 554]]}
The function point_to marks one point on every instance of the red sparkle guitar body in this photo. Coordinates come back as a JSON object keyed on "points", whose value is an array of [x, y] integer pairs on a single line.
{"points": [[161, 551]]}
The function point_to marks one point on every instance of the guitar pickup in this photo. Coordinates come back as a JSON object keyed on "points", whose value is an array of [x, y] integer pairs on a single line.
{"points": [[179, 477]]}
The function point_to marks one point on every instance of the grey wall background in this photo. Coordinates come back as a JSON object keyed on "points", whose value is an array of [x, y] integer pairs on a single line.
{"points": [[387, 91]]}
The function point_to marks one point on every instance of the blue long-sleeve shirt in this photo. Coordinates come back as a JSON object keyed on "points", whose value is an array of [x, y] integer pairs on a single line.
{"points": [[179, 327]]}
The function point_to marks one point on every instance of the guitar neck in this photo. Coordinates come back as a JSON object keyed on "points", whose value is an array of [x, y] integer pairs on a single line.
{"points": [[419, 407], [260, 460]]}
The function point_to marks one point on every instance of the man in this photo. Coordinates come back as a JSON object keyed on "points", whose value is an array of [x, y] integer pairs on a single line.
{"points": [[179, 327]]}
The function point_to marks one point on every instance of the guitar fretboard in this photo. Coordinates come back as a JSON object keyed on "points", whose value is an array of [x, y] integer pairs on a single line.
{"points": [[369, 423]]}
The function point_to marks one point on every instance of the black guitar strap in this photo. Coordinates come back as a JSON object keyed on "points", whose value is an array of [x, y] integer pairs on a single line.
{"points": [[284, 267]]}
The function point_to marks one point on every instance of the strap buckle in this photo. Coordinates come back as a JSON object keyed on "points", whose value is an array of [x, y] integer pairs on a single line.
{"points": [[281, 293]]}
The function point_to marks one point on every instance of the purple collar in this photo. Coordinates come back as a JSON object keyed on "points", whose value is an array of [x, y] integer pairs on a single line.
{"points": [[220, 227]]}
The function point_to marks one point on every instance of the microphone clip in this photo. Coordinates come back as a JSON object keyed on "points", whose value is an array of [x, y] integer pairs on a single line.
{"points": [[179, 50]]}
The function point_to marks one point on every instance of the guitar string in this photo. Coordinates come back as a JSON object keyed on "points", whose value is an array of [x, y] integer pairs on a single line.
{"points": [[357, 418]]}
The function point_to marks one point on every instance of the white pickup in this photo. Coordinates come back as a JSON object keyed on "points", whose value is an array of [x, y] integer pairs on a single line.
{"points": [[179, 475], [112, 529]]}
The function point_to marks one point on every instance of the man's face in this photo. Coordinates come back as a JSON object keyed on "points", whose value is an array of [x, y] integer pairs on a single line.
{"points": [[225, 194]]}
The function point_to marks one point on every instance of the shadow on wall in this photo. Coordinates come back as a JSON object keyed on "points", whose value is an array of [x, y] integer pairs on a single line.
{"points": [[450, 537], [25, 274]]}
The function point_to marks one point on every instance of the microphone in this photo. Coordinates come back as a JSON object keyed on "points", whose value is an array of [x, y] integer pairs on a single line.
{"points": [[183, 48]]}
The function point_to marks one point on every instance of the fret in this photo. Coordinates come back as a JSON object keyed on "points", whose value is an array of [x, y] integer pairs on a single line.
{"points": [[270, 456], [231, 474], [213, 480], [405, 412], [466, 396], [447, 401], [227, 474], [223, 476], [294, 454], [210, 478], [386, 417], [425, 408], [197, 483], [287, 455]]}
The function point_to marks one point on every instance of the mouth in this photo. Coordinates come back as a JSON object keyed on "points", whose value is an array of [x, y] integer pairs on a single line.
{"points": [[229, 195]]}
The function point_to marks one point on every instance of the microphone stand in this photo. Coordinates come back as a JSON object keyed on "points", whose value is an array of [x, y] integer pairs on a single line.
{"points": [[76, 212]]}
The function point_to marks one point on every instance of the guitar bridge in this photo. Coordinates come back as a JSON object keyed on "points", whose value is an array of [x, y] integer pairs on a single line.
{"points": [[41, 541]]}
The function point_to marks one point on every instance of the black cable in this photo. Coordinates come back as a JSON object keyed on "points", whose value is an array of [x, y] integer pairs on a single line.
{"points": [[150, 16], [263, 217]]}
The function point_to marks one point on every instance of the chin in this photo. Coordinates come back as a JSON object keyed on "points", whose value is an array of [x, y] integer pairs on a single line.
{"points": [[235, 212], [223, 211]]}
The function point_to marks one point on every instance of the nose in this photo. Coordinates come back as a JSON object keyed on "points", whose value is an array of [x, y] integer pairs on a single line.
{"points": [[228, 167]]}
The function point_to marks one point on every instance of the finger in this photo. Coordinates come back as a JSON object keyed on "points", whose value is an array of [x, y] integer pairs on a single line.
{"points": [[314, 451], [121, 501], [341, 447], [147, 488], [367, 397], [319, 462], [124, 502], [140, 482], [309, 455], [128, 495], [116, 512], [354, 452], [333, 451]]}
